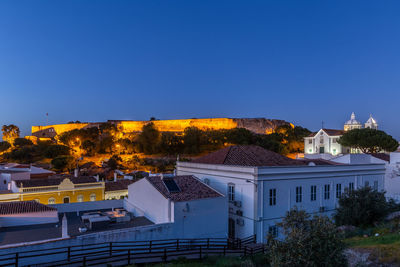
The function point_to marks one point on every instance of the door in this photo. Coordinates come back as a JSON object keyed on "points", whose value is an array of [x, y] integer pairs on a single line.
{"points": [[231, 228], [66, 199], [321, 150]]}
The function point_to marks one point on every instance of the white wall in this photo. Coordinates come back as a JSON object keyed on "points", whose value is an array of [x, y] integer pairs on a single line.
{"points": [[206, 218], [149, 200], [6, 178], [358, 159], [89, 205], [328, 144], [220, 176]]}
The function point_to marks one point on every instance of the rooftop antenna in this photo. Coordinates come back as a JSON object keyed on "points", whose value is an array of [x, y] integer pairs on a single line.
{"points": [[47, 118]]}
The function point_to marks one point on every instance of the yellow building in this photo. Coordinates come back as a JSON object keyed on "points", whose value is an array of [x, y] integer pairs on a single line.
{"points": [[59, 190]]}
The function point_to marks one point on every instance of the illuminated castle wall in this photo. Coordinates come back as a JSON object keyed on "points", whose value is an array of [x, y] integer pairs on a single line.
{"points": [[256, 125]]}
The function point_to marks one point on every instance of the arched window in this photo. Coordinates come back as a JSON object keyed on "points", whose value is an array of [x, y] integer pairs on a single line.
{"points": [[92, 197], [52, 200], [80, 198]]}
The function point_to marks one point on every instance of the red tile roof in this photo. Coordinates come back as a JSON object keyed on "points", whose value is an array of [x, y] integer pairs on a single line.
{"points": [[54, 181], [253, 156], [118, 185], [330, 132], [23, 207], [190, 187]]}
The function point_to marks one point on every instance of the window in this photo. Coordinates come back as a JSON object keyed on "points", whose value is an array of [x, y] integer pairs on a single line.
{"points": [[313, 192], [376, 185], [310, 150], [80, 198], [4, 181], [52, 200], [273, 230], [231, 192], [338, 190], [327, 191], [92, 197], [366, 183], [310, 141], [272, 197], [351, 187], [321, 140], [334, 140], [298, 194]]}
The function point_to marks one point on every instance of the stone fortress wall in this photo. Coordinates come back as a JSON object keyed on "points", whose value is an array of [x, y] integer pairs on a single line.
{"points": [[256, 125]]}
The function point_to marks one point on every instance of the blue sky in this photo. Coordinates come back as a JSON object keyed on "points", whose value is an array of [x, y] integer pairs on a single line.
{"points": [[301, 61]]}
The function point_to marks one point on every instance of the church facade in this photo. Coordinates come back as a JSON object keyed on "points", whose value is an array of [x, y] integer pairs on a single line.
{"points": [[325, 141]]}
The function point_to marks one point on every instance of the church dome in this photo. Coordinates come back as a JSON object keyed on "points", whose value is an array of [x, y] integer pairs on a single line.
{"points": [[371, 123], [352, 120], [371, 120]]}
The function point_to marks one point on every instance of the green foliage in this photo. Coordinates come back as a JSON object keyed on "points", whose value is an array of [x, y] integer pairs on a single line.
{"points": [[125, 146], [4, 146], [308, 242], [363, 207], [63, 163], [148, 139], [369, 140], [53, 151], [21, 142], [170, 143], [21, 155], [10, 132]]}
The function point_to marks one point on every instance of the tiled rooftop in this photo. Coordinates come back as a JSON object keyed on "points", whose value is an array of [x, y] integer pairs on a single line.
{"points": [[18, 207], [118, 185], [253, 156], [54, 181], [190, 187]]}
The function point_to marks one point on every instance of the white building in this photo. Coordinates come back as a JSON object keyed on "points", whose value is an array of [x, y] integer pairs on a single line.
{"points": [[262, 185], [325, 140], [194, 209]]}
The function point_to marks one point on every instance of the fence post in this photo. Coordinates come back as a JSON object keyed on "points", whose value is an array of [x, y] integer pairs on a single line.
{"points": [[151, 241], [16, 259], [177, 244], [208, 243], [129, 256], [110, 248], [84, 261], [165, 254], [200, 253], [255, 239], [69, 253], [224, 250]]}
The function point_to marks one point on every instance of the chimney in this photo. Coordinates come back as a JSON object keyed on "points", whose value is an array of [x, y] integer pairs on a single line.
{"points": [[64, 227], [76, 173], [115, 176]]}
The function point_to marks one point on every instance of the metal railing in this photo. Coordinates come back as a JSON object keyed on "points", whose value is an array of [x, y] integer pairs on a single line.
{"points": [[128, 252]]}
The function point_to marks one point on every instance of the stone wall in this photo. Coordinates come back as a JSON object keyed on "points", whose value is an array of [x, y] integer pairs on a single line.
{"points": [[256, 125]]}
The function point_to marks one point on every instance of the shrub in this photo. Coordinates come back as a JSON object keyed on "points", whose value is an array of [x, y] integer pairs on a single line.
{"points": [[308, 242]]}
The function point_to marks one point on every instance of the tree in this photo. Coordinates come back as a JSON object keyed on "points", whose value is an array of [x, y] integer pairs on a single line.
{"points": [[10, 132], [89, 147], [4, 146], [148, 139], [362, 207], [21, 142], [192, 139], [54, 151], [63, 163], [369, 140], [308, 242], [113, 162], [170, 143]]}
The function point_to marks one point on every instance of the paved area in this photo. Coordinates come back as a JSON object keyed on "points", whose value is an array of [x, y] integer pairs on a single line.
{"points": [[30, 233]]}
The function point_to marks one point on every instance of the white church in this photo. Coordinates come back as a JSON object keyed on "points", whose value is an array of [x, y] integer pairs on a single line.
{"points": [[325, 141]]}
